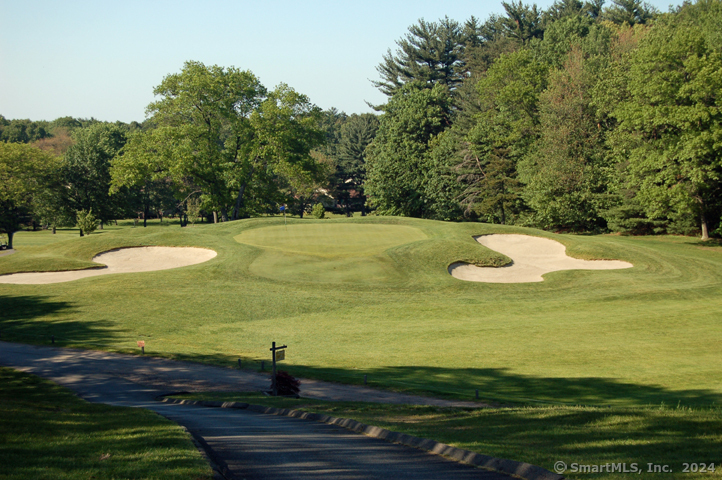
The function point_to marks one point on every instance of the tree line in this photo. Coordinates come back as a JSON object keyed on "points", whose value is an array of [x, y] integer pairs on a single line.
{"points": [[582, 117]]}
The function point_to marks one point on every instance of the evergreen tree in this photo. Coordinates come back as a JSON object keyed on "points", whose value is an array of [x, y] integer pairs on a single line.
{"points": [[356, 134], [431, 53], [629, 12]]}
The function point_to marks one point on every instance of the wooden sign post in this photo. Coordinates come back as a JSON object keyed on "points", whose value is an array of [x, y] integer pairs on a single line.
{"points": [[281, 355]]}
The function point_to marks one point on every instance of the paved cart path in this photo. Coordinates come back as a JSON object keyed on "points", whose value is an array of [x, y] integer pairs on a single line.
{"points": [[251, 445], [172, 375]]}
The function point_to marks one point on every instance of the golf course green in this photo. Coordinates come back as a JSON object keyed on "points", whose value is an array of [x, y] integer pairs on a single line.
{"points": [[372, 296]]}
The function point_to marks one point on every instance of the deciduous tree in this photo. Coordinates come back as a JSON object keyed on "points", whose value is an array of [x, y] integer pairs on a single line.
{"points": [[673, 122], [25, 171]]}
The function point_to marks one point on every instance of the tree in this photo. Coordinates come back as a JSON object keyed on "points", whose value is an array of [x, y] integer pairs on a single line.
{"points": [[430, 53], [564, 171], [218, 130], [86, 171], [356, 134], [203, 126], [522, 22], [629, 12], [86, 222], [58, 144], [400, 171], [505, 127], [286, 129], [25, 172], [23, 131], [672, 121]]}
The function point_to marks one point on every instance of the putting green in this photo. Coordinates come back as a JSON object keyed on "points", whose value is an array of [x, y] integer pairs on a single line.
{"points": [[328, 252], [331, 240]]}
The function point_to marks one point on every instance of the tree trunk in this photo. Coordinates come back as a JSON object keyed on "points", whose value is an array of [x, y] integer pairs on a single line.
{"points": [[215, 216], [54, 229], [101, 224], [224, 214], [81, 231], [705, 231], [145, 216], [10, 239], [239, 201]]}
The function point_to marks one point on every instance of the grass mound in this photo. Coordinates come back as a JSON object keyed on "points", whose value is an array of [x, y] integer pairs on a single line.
{"points": [[331, 239]]}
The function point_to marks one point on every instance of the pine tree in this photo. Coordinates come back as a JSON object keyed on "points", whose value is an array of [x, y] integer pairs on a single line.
{"points": [[431, 53]]}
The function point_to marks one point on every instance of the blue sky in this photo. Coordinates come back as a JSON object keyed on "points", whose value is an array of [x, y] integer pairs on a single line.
{"points": [[103, 58]]}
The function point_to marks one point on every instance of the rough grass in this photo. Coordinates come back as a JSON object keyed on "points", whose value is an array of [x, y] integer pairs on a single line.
{"points": [[543, 435], [639, 336], [46, 432]]}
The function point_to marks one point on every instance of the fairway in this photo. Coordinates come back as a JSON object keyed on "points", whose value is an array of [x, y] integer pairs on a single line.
{"points": [[373, 296]]}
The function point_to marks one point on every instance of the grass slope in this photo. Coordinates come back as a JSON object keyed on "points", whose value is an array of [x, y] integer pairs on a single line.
{"points": [[46, 432], [383, 304]]}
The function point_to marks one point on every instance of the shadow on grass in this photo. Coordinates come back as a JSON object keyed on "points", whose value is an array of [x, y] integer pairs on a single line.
{"points": [[501, 385], [23, 319], [583, 435], [50, 433]]}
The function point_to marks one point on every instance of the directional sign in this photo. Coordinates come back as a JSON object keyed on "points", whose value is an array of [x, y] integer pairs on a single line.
{"points": [[280, 355]]}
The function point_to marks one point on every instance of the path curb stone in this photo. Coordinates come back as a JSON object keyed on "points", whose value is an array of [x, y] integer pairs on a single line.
{"points": [[522, 470]]}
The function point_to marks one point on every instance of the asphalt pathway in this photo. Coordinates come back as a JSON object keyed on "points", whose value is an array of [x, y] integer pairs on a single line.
{"points": [[248, 444]]}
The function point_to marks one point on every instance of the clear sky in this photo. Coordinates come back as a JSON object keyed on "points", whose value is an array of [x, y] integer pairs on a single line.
{"points": [[102, 58]]}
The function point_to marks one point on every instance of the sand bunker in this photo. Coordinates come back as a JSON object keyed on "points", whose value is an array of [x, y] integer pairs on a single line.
{"points": [[531, 257], [123, 260]]}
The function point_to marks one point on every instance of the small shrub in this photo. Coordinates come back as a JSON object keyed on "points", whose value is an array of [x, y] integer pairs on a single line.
{"points": [[193, 209], [318, 211], [286, 384], [86, 222]]}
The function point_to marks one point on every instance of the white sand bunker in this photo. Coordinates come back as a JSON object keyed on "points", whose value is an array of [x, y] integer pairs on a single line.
{"points": [[531, 257], [123, 260]]}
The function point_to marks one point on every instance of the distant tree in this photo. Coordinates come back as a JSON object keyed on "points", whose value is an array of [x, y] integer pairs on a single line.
{"points": [[25, 172], [57, 144], [522, 22], [68, 124], [86, 171], [23, 131], [629, 12], [356, 134], [430, 53], [399, 169]]}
